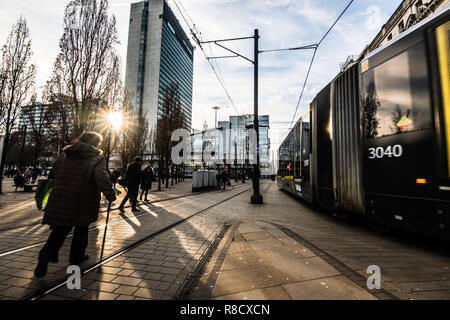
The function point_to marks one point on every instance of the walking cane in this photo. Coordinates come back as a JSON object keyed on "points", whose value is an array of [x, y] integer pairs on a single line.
{"points": [[104, 236]]}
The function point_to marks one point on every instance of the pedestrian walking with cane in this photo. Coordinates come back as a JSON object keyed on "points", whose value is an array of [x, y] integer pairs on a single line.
{"points": [[80, 175]]}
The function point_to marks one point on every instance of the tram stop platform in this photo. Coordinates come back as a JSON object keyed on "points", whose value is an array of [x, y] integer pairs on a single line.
{"points": [[258, 261]]}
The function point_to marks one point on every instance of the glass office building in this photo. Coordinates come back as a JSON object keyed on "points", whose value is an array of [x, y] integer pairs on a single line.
{"points": [[234, 139], [159, 54]]}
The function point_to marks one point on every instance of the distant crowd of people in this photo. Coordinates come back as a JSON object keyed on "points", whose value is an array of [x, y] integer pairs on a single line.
{"points": [[26, 176], [134, 178], [224, 177]]}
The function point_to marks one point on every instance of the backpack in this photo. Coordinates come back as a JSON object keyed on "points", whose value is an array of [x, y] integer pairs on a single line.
{"points": [[43, 191]]}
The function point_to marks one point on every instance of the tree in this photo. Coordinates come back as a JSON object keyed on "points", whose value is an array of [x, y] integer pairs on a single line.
{"points": [[370, 105], [171, 120], [87, 69], [38, 119], [20, 78], [59, 122]]}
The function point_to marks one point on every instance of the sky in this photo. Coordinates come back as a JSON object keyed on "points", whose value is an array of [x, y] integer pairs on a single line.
{"points": [[281, 24]]}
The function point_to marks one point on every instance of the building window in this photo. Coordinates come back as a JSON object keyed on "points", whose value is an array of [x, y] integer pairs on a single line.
{"points": [[401, 27]]}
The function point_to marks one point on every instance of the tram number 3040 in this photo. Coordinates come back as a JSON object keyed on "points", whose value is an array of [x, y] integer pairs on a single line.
{"points": [[388, 152]]}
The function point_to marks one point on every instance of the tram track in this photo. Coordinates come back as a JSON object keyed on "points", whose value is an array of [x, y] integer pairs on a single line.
{"points": [[37, 294], [143, 204], [112, 210]]}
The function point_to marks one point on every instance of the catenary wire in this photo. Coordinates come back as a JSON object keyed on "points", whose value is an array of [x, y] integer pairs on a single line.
{"points": [[194, 34], [314, 55]]}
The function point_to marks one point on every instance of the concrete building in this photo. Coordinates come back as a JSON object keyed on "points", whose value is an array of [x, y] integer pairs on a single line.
{"points": [[409, 13], [159, 53]]}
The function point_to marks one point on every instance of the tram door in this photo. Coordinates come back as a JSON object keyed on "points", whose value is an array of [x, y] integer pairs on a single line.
{"points": [[442, 39], [322, 154]]}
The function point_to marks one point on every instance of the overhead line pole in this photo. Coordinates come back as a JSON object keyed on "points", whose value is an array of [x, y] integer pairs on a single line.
{"points": [[256, 198]]}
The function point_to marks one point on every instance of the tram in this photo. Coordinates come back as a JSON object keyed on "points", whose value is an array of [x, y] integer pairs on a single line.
{"points": [[376, 139]]}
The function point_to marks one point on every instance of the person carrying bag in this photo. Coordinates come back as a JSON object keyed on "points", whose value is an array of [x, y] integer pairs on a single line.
{"points": [[80, 175]]}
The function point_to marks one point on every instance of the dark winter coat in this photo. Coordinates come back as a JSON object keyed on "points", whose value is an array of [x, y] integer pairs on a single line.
{"points": [[134, 175], [80, 175], [224, 177], [147, 179]]}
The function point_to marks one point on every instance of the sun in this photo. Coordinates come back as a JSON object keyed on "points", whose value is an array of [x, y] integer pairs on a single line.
{"points": [[116, 120]]}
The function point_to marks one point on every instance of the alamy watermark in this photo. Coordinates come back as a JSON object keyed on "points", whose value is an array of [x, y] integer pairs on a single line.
{"points": [[74, 279], [374, 22], [374, 280]]}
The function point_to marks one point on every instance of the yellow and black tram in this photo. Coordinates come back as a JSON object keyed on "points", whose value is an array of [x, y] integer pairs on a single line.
{"points": [[376, 140]]}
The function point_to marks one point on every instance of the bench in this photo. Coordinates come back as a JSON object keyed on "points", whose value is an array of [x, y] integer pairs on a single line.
{"points": [[27, 187]]}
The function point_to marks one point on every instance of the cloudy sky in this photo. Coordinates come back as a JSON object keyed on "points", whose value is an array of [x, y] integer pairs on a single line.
{"points": [[281, 23]]}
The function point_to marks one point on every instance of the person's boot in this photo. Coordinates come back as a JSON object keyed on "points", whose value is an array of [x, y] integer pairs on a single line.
{"points": [[135, 210], [41, 268]]}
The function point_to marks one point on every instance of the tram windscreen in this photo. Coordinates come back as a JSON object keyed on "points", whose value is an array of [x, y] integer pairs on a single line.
{"points": [[395, 95]]}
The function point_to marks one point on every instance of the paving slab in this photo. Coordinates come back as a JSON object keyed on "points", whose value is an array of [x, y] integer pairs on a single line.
{"points": [[256, 260], [330, 288]]}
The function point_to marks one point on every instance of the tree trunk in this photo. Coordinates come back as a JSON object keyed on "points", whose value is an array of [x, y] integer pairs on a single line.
{"points": [[3, 160]]}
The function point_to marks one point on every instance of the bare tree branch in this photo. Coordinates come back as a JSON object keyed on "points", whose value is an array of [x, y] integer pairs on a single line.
{"points": [[19, 82]]}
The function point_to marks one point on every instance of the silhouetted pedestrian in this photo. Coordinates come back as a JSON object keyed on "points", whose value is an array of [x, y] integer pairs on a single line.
{"points": [[218, 178], [224, 179], [80, 175], [133, 177], [19, 180], [115, 176], [35, 172], [146, 181]]}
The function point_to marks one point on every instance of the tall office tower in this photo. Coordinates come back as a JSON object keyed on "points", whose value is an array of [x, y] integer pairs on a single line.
{"points": [[159, 53]]}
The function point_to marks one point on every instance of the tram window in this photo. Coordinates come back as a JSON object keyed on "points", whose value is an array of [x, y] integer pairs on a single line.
{"points": [[395, 97]]}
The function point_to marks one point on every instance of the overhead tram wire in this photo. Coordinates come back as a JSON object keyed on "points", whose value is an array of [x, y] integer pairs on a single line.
{"points": [[314, 56], [193, 30], [194, 34]]}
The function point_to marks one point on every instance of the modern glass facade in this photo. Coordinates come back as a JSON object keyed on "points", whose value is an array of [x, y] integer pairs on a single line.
{"points": [[237, 140], [176, 64], [159, 54]]}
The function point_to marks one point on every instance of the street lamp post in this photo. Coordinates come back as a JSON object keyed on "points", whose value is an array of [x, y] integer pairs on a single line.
{"points": [[115, 124], [23, 146], [257, 198], [108, 155]]}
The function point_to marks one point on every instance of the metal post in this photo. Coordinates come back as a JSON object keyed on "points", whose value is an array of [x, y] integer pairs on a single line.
{"points": [[257, 198], [23, 146], [108, 148], [236, 178]]}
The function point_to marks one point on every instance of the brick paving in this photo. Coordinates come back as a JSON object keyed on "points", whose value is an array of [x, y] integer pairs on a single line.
{"points": [[158, 268], [154, 217]]}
